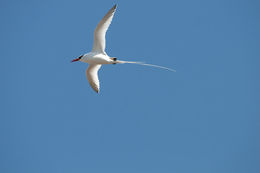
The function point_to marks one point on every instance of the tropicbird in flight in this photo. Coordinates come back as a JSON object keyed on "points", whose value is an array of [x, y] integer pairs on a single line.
{"points": [[98, 56]]}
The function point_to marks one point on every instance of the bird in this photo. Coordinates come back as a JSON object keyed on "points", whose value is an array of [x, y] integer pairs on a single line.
{"points": [[98, 57]]}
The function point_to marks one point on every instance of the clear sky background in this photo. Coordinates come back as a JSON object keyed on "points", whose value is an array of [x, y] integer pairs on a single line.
{"points": [[204, 118]]}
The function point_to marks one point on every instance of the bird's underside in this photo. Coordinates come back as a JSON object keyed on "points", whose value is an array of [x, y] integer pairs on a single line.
{"points": [[99, 47]]}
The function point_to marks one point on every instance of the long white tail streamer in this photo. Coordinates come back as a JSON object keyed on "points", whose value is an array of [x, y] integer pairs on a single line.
{"points": [[142, 63]]}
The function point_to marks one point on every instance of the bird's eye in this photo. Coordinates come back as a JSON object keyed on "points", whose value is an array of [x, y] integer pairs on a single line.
{"points": [[80, 57]]}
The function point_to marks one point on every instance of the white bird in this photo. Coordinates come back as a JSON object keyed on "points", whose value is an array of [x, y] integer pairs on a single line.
{"points": [[98, 56]]}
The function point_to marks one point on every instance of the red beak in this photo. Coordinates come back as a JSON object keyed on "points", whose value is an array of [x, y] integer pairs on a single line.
{"points": [[77, 59]]}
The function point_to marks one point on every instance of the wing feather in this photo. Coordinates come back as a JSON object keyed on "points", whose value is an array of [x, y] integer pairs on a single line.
{"points": [[92, 76], [99, 44]]}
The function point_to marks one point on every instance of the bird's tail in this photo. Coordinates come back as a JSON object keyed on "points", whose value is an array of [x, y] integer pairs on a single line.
{"points": [[142, 63]]}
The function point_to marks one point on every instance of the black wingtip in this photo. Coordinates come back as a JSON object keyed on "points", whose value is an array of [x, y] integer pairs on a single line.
{"points": [[114, 7]]}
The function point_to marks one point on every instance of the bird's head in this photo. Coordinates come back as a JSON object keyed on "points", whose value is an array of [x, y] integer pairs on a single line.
{"points": [[77, 59]]}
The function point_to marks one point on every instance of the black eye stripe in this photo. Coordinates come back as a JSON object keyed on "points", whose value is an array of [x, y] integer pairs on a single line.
{"points": [[80, 57]]}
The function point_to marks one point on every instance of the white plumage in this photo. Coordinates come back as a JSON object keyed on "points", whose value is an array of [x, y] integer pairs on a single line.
{"points": [[100, 31], [98, 56], [92, 75]]}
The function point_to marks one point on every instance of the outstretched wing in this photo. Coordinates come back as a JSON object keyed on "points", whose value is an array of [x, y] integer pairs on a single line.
{"points": [[92, 75], [99, 44]]}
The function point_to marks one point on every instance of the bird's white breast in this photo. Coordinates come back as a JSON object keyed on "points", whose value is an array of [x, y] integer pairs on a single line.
{"points": [[96, 58]]}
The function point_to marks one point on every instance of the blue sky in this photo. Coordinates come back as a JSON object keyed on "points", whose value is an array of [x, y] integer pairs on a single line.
{"points": [[203, 118]]}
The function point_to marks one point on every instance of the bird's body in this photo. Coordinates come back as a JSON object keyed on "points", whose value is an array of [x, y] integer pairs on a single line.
{"points": [[98, 56]]}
